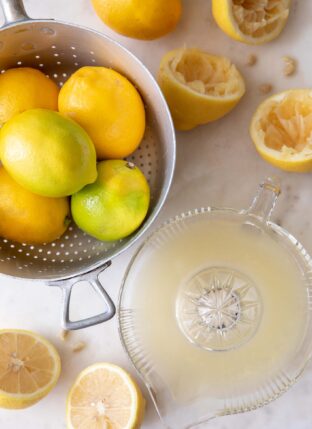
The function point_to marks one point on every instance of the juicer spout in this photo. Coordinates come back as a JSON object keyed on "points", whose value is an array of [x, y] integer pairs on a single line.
{"points": [[264, 202]]}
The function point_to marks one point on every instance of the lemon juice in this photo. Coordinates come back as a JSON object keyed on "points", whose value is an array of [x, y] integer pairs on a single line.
{"points": [[219, 306]]}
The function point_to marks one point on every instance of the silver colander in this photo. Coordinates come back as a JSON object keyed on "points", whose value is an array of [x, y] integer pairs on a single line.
{"points": [[58, 49]]}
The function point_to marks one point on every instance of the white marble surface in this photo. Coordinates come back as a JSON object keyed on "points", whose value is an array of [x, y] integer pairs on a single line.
{"points": [[217, 165]]}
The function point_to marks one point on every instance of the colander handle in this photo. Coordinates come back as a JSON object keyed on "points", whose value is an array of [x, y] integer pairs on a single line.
{"points": [[67, 287], [13, 11]]}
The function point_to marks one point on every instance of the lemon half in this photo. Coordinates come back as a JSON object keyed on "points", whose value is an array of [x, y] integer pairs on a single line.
{"points": [[281, 130], [105, 396], [251, 21], [29, 368], [199, 87]]}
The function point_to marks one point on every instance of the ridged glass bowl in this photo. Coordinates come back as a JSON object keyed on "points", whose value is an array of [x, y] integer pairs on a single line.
{"points": [[218, 312]]}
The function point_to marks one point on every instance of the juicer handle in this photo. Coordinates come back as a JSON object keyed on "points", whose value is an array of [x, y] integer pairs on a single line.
{"points": [[13, 11], [92, 279], [264, 202]]}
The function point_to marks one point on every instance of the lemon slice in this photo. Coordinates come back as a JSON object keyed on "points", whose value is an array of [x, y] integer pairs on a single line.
{"points": [[251, 21], [104, 396], [199, 87], [29, 368], [281, 130]]}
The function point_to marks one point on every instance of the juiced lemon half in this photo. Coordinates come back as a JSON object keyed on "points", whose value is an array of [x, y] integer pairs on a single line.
{"points": [[251, 21], [29, 368], [281, 130], [104, 396], [199, 87]]}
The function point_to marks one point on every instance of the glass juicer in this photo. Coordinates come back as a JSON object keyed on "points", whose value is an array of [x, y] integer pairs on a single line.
{"points": [[215, 311]]}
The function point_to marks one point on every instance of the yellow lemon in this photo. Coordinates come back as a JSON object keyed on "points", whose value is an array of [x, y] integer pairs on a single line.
{"points": [[281, 130], [108, 107], [251, 21], [30, 367], [47, 154], [29, 218], [105, 396], [140, 19], [115, 205], [23, 89], [199, 87]]}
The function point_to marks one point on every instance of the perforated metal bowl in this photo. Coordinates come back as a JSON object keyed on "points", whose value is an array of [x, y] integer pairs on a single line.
{"points": [[58, 49]]}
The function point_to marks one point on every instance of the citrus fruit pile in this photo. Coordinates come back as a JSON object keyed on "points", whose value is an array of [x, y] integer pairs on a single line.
{"points": [[49, 155]]}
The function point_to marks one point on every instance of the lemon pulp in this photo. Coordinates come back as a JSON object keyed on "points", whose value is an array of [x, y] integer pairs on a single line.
{"points": [[256, 18], [199, 87], [251, 21], [105, 396], [29, 368], [206, 74], [282, 130]]}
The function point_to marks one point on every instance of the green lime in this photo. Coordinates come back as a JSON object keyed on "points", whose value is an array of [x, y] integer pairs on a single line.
{"points": [[115, 205]]}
